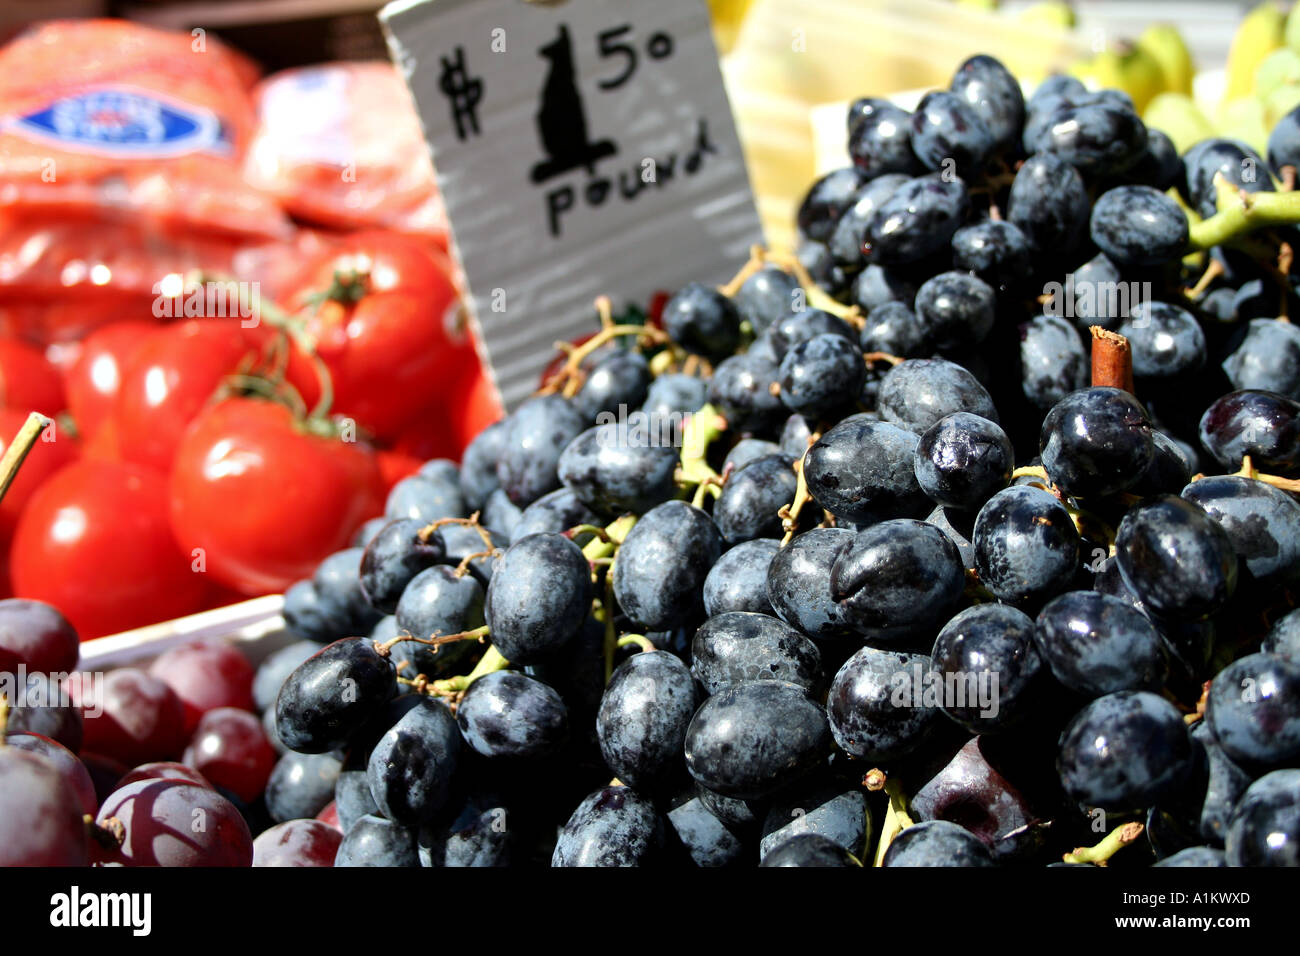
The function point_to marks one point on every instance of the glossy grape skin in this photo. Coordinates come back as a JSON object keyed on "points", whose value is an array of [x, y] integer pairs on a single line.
{"points": [[986, 654], [762, 299], [663, 562], [747, 450], [674, 393], [1240, 165], [1165, 340], [1138, 226], [62, 759], [1053, 362], [876, 284], [411, 767], [1176, 558], [897, 578], [1194, 856], [1050, 205], [821, 374], [394, 556], [708, 841], [501, 514], [1254, 711], [1284, 142], [1263, 425], [826, 201], [338, 582], [1262, 522], [880, 138], [231, 750], [845, 245], [131, 716], [892, 328], [621, 378], [1159, 166], [862, 469], [352, 797], [175, 823], [740, 646], [1225, 783], [1284, 637], [478, 466], [1124, 751], [955, 310], [375, 841], [43, 708], [1098, 139], [917, 393], [937, 843], [918, 219], [1265, 826], [426, 499], [948, 134], [959, 526], [1170, 469], [464, 541], [330, 693], [297, 843], [804, 325], [1096, 441], [275, 669], [643, 718], [810, 850], [798, 582], [994, 250], [301, 785], [738, 581], [1096, 644], [826, 273], [1026, 548], [536, 433], [615, 827], [1096, 296], [877, 707], [508, 714], [310, 617], [826, 809], [437, 601], [750, 739], [962, 460], [702, 320], [618, 467], [37, 635], [554, 512], [993, 93], [1268, 358], [741, 390], [478, 835]]}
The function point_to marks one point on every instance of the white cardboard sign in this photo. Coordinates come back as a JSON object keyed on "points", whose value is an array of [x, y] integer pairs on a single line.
{"points": [[583, 148]]}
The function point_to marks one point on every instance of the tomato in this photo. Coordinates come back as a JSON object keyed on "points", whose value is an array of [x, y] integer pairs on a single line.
{"points": [[92, 381], [396, 465], [95, 542], [27, 381], [264, 499], [54, 450], [391, 331], [478, 404]]}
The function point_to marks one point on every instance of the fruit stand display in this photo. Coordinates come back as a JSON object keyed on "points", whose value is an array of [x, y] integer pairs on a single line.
{"points": [[960, 526]]}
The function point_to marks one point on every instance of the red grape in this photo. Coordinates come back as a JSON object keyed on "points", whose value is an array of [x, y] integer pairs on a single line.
{"points": [[64, 760], [132, 718], [297, 843], [205, 677], [37, 635], [330, 816], [230, 749], [174, 823], [40, 816], [165, 770]]}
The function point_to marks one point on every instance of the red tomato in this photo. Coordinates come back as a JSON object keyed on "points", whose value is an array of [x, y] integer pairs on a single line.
{"points": [[478, 404], [27, 381], [395, 465], [265, 499], [467, 405], [53, 451], [95, 542], [92, 381], [390, 333]]}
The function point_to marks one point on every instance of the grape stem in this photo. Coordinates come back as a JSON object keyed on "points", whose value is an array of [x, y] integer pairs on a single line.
{"points": [[1114, 841], [489, 663], [1241, 212], [789, 514], [897, 816], [19, 448], [1112, 360], [437, 640], [608, 539], [425, 533], [4, 719], [640, 640], [568, 377], [702, 429], [1248, 470]]}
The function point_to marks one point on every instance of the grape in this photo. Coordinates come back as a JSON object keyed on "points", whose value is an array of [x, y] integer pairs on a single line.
{"points": [[1165, 340], [463, 542], [438, 601], [425, 499], [643, 718], [1138, 226], [1053, 362], [1263, 425], [374, 841], [553, 513], [1097, 296], [897, 579], [230, 749], [1265, 827], [72, 770], [297, 843], [615, 468], [798, 582], [747, 450], [352, 797], [994, 250], [988, 664], [1196, 856], [892, 328], [36, 635], [707, 839], [507, 714], [311, 618], [540, 599], [1096, 441], [750, 739], [674, 394], [1054, 86], [876, 705], [619, 380], [478, 466], [175, 823], [1225, 783], [1096, 644], [917, 393], [276, 668], [165, 770], [1284, 637], [411, 767], [1097, 139], [536, 433], [702, 320], [614, 826], [876, 285], [993, 93], [962, 460], [845, 244], [300, 786], [1049, 204], [804, 325], [763, 299], [1026, 548], [809, 849], [751, 498], [1254, 710], [880, 138], [1176, 558], [1124, 751], [1262, 522], [741, 646], [1268, 358], [663, 562], [1240, 165], [44, 707], [332, 692], [477, 836], [338, 582], [948, 134], [918, 219], [130, 716], [862, 469], [827, 810], [955, 310], [826, 201], [1170, 468], [937, 843], [738, 581], [741, 390], [822, 268], [1284, 142], [742, 816], [1159, 165], [959, 526], [501, 514]]}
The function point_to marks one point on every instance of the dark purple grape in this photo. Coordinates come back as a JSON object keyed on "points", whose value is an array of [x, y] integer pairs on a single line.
{"points": [[620, 380], [937, 843], [438, 602], [555, 512], [374, 841], [948, 135], [614, 826], [1240, 165], [917, 393], [424, 499], [1263, 425], [822, 374], [962, 460], [1050, 205], [643, 719], [1053, 362], [399, 552], [1265, 827], [741, 646], [702, 320], [798, 582], [955, 310], [918, 219], [1284, 142], [826, 201], [663, 562], [478, 466], [738, 581], [1176, 558], [536, 433], [476, 836], [276, 668], [994, 250], [708, 841], [1096, 644], [1096, 441], [1098, 294], [1268, 358], [1284, 637], [1195, 856], [752, 497], [410, 769], [331, 694], [1159, 166], [1097, 139], [877, 705], [809, 849], [762, 300], [741, 390], [846, 242], [1026, 548], [880, 138], [1165, 340], [38, 636], [993, 93], [338, 583], [863, 470], [44, 706], [307, 616], [1262, 522], [892, 328], [301, 785], [876, 284], [987, 665], [501, 514], [1138, 226], [804, 325], [508, 714], [1253, 711], [1225, 783], [540, 599], [826, 809], [619, 467]]}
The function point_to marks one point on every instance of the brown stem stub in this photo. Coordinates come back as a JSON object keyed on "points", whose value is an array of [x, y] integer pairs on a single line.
{"points": [[1112, 360], [874, 780]]}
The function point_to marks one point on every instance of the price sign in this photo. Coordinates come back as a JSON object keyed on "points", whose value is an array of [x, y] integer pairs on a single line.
{"points": [[583, 148]]}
